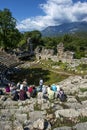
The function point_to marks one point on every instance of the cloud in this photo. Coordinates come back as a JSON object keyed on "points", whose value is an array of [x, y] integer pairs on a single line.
{"points": [[56, 12]]}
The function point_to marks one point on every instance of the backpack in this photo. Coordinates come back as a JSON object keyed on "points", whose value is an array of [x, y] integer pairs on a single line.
{"points": [[16, 96], [62, 97]]}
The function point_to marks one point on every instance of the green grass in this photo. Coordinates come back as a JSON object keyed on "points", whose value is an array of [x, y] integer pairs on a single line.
{"points": [[82, 118]]}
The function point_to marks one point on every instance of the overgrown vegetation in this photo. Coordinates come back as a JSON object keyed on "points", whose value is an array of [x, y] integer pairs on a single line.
{"points": [[82, 67], [82, 118]]}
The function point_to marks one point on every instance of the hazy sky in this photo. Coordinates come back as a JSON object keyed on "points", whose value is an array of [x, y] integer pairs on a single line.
{"points": [[38, 14]]}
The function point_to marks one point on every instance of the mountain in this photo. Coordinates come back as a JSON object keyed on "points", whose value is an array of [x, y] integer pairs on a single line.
{"points": [[65, 28]]}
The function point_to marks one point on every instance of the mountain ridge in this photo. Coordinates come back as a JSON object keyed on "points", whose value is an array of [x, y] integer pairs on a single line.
{"points": [[64, 28]]}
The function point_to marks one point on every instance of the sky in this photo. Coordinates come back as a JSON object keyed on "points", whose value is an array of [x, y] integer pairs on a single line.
{"points": [[39, 14]]}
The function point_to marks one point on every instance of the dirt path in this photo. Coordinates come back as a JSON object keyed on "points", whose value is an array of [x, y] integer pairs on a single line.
{"points": [[62, 72]]}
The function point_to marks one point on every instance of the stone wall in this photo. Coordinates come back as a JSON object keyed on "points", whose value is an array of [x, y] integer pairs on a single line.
{"points": [[42, 53], [64, 56]]}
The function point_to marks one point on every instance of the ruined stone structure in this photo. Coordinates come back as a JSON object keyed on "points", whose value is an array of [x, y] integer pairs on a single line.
{"points": [[64, 56], [42, 53]]}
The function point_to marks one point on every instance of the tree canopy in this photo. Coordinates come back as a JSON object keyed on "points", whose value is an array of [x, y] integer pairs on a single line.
{"points": [[8, 32]]}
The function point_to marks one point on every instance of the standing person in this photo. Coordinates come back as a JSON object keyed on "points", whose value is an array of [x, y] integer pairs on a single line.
{"points": [[44, 91], [41, 84]]}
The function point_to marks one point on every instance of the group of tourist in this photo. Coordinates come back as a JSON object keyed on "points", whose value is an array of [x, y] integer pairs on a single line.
{"points": [[22, 91]]}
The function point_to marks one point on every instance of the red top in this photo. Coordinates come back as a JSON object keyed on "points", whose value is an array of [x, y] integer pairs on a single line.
{"points": [[30, 89]]}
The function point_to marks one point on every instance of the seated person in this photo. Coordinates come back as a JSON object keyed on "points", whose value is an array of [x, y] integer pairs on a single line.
{"points": [[25, 85], [51, 94], [21, 86], [22, 94], [58, 89], [48, 88], [30, 91], [61, 95], [15, 96], [7, 88], [38, 89], [12, 89], [40, 95], [54, 88], [34, 93], [44, 89], [25, 82], [18, 85]]}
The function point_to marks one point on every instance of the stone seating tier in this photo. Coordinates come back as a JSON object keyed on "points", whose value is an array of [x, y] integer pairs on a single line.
{"points": [[7, 61]]}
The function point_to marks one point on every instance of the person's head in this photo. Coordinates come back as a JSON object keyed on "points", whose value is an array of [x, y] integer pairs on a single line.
{"points": [[33, 87], [25, 80], [61, 89], [49, 85], [9, 84], [19, 82], [30, 86]]}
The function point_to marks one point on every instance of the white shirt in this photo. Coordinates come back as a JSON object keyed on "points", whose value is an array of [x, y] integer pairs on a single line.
{"points": [[41, 82], [58, 88], [21, 86]]}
